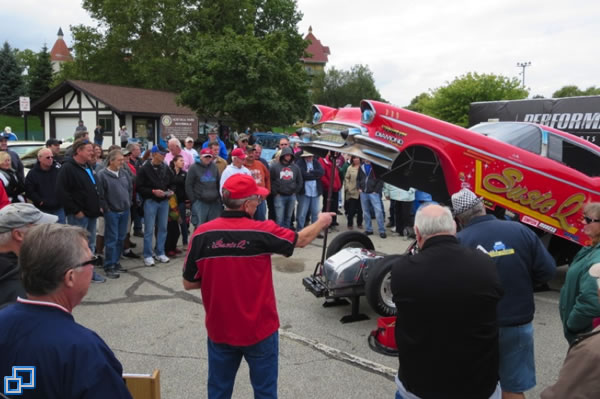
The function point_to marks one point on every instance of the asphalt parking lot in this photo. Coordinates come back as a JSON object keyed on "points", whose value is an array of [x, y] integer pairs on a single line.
{"points": [[151, 322]]}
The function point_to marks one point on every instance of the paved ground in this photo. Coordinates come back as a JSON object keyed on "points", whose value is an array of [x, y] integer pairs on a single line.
{"points": [[151, 322]]}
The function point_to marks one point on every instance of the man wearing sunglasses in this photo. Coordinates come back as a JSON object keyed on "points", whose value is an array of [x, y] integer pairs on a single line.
{"points": [[40, 185], [229, 260], [70, 360], [15, 221]]}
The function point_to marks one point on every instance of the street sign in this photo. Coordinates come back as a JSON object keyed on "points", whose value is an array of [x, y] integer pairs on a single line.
{"points": [[24, 104]]}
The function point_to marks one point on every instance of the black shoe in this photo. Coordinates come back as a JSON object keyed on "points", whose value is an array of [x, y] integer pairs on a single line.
{"points": [[369, 233], [121, 269], [334, 224], [320, 235], [132, 244], [112, 273], [138, 233], [383, 235], [130, 254]]}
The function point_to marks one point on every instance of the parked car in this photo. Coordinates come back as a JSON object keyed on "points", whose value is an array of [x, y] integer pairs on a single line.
{"points": [[531, 173], [23, 147], [269, 142]]}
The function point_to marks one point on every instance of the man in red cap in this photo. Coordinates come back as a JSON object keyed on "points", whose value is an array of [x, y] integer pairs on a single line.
{"points": [[238, 157], [229, 260]]}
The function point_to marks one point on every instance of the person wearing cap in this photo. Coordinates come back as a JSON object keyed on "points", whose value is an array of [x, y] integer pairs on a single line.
{"points": [[189, 148], [241, 142], [238, 157], [15, 161], [11, 136], [446, 327], [155, 183], [261, 175], [116, 189], [54, 146], [174, 146], [213, 137], [15, 221], [286, 183], [308, 199], [41, 185], [522, 262], [229, 260], [217, 160], [578, 303], [78, 194], [70, 360], [202, 189]]}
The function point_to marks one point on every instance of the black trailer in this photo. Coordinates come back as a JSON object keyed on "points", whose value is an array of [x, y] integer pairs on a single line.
{"points": [[576, 115]]}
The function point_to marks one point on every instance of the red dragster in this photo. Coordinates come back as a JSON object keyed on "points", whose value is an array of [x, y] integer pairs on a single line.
{"points": [[532, 173]]}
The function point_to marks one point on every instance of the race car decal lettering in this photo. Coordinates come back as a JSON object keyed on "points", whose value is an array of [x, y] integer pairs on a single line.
{"points": [[530, 221], [544, 226], [389, 137], [504, 190], [392, 130]]}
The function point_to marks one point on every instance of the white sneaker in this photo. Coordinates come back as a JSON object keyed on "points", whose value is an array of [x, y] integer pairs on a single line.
{"points": [[149, 261], [162, 259]]}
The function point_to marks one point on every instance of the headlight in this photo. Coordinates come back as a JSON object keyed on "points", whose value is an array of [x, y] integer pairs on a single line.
{"points": [[317, 117], [367, 116]]}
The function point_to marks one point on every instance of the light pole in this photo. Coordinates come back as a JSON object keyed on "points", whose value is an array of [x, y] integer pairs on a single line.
{"points": [[523, 65]]}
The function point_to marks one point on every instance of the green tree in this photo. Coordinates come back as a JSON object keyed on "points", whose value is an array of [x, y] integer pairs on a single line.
{"points": [[40, 75], [11, 81], [417, 104], [25, 58], [451, 102], [338, 88], [574, 91]]}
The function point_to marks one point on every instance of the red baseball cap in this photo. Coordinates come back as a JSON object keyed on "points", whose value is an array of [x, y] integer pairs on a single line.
{"points": [[206, 152], [243, 186], [241, 154]]}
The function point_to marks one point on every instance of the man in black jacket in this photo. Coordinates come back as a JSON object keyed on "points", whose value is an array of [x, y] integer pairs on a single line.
{"points": [[155, 183], [370, 188], [78, 193], [40, 185], [446, 327]]}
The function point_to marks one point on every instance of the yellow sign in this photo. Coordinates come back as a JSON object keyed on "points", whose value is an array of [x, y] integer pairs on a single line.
{"points": [[503, 188]]}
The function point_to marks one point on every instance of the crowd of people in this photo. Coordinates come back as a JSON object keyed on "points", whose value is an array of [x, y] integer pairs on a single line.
{"points": [[465, 300]]}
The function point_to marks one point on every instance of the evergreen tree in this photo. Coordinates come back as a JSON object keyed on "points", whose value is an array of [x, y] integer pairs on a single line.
{"points": [[40, 75], [11, 81]]}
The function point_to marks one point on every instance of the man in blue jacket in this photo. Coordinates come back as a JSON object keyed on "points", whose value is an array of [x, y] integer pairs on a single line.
{"points": [[522, 263], [213, 136], [39, 333]]}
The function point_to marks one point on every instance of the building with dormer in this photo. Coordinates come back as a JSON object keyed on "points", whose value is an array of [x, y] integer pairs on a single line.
{"points": [[317, 54]]}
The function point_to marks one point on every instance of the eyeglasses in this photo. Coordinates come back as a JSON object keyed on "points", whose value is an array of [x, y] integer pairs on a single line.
{"points": [[589, 220], [256, 198], [94, 261], [48, 157]]}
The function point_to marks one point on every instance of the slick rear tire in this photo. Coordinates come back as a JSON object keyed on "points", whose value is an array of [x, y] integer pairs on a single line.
{"points": [[349, 239], [378, 288]]}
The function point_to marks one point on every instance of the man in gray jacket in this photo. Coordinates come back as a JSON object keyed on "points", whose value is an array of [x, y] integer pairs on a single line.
{"points": [[286, 182], [117, 188], [202, 188]]}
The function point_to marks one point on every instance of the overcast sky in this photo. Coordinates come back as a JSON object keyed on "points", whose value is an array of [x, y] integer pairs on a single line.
{"points": [[411, 46]]}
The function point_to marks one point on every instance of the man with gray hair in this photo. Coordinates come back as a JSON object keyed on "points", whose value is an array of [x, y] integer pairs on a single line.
{"points": [[522, 263], [446, 328], [70, 361], [15, 221], [40, 185], [174, 146]]}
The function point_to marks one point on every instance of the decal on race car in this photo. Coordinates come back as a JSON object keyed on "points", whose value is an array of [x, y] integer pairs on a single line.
{"points": [[530, 221], [392, 130], [503, 188], [550, 229], [389, 138]]}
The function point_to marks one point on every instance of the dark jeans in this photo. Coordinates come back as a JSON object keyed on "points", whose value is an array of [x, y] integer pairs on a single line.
{"points": [[172, 236], [335, 199], [184, 224], [403, 217], [224, 361], [354, 208]]}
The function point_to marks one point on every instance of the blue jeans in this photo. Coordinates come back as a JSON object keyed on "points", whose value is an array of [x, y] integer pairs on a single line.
{"points": [[87, 223], [261, 211], [517, 360], [224, 361], [62, 219], [372, 201], [205, 211], [155, 212], [115, 228], [284, 208], [184, 224], [306, 204]]}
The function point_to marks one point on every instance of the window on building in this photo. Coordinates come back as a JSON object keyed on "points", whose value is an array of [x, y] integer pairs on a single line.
{"points": [[106, 122]]}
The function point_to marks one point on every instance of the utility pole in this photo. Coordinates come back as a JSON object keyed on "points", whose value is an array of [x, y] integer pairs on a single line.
{"points": [[523, 65]]}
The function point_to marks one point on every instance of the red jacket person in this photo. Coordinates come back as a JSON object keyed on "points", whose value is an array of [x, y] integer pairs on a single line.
{"points": [[229, 260]]}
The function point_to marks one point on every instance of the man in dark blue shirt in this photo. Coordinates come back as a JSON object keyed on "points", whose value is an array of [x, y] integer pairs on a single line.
{"points": [[39, 332], [522, 263]]}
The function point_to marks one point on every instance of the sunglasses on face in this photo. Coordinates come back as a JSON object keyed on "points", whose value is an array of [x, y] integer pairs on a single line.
{"points": [[48, 157], [94, 261], [589, 220]]}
